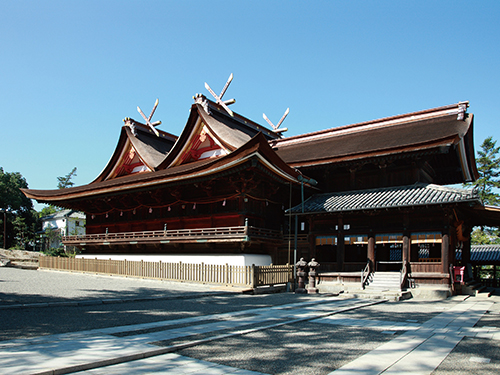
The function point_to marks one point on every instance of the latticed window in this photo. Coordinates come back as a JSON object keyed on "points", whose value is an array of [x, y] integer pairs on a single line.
{"points": [[396, 252], [423, 250]]}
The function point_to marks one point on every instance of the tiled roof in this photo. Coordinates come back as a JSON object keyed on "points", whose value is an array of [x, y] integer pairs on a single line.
{"points": [[64, 214], [393, 197], [485, 253]]}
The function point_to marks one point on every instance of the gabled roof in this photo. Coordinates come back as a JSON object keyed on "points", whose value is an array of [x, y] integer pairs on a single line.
{"points": [[150, 149], [434, 129], [256, 150], [385, 198], [229, 132]]}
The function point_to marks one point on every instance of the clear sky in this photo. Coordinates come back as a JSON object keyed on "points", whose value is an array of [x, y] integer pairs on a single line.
{"points": [[71, 71]]}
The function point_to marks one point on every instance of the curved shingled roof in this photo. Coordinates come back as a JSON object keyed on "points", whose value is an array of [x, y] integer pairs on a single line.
{"points": [[485, 253], [383, 198], [151, 149], [445, 129]]}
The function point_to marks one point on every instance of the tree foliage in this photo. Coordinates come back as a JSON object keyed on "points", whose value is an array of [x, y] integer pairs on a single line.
{"points": [[485, 236], [65, 181], [487, 185], [47, 210], [488, 166], [21, 217]]}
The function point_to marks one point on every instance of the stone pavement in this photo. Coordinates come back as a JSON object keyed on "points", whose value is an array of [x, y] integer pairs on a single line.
{"points": [[71, 352], [421, 348], [149, 347]]}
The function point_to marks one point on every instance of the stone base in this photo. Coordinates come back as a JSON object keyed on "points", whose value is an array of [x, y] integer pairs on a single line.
{"points": [[431, 292]]}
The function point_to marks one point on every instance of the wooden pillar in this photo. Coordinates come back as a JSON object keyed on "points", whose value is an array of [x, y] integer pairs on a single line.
{"points": [[312, 239], [445, 251], [406, 248], [371, 250], [406, 238], [353, 178], [466, 252], [340, 245]]}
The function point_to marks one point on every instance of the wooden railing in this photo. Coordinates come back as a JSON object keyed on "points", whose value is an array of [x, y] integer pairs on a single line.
{"points": [[240, 233], [365, 274], [301, 238], [425, 267], [429, 260], [240, 276]]}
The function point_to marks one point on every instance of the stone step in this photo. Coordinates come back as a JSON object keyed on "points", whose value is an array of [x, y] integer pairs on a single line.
{"points": [[390, 295]]}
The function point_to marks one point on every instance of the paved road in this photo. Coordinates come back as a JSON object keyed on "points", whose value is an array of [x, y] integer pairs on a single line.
{"points": [[90, 321]]}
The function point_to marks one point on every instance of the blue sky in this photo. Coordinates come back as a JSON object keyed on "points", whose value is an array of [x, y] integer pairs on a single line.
{"points": [[72, 70]]}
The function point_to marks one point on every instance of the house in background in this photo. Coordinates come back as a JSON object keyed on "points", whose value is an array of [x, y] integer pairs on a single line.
{"points": [[64, 223]]}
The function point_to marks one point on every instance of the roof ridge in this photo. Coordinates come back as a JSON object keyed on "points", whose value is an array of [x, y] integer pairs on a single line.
{"points": [[458, 109], [205, 103], [417, 194], [404, 187]]}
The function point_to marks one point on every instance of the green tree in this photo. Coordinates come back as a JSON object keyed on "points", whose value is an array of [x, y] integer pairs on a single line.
{"points": [[488, 166], [484, 236], [53, 237], [46, 211], [20, 213], [487, 185], [65, 181]]}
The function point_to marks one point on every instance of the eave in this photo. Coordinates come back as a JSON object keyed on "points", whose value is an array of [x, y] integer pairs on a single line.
{"points": [[256, 149]]}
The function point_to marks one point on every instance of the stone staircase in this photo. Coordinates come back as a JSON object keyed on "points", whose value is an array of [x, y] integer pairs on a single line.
{"points": [[382, 285], [384, 281], [474, 288]]}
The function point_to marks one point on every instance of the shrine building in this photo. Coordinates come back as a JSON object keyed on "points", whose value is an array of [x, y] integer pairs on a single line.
{"points": [[374, 195]]}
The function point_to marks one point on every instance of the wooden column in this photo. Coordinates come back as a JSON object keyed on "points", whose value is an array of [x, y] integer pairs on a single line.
{"points": [[340, 245], [406, 248], [406, 238], [312, 239], [445, 251], [466, 252], [371, 251]]}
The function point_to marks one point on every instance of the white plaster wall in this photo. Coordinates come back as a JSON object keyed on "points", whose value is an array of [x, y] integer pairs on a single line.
{"points": [[76, 230], [217, 259]]}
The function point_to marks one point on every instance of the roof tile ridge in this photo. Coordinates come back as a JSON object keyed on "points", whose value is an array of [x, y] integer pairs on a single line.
{"points": [[238, 117], [369, 125], [146, 129], [457, 190]]}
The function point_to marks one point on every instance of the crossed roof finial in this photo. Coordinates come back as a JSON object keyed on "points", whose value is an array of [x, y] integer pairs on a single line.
{"points": [[275, 127], [218, 98], [148, 119]]}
